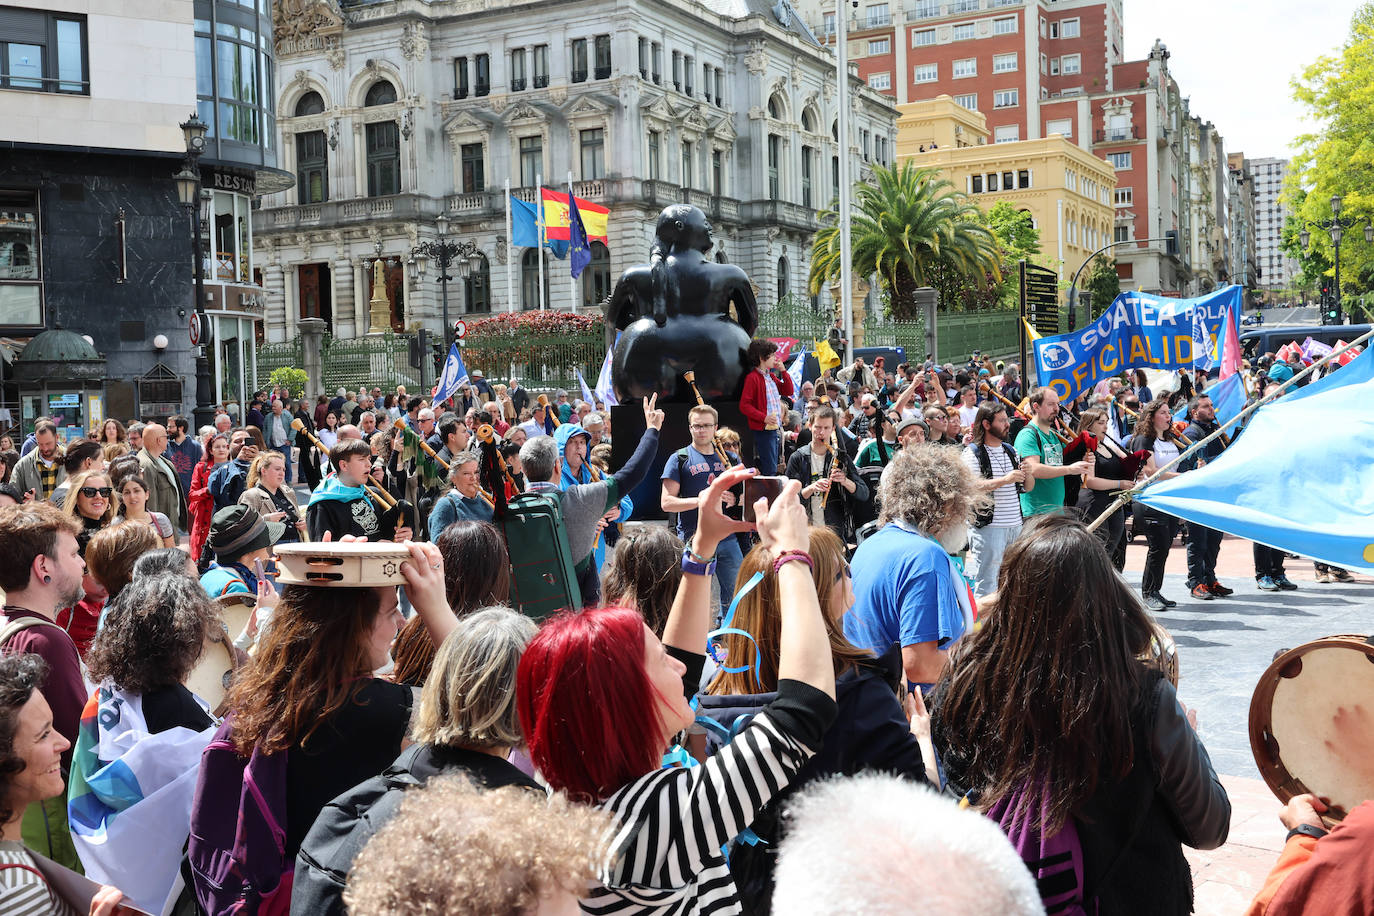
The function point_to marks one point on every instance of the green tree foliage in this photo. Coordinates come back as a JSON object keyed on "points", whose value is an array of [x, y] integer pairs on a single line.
{"points": [[1338, 158], [1101, 284], [292, 379], [911, 228]]}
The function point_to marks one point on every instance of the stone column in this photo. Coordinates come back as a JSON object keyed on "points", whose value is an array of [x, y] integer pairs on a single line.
{"points": [[343, 277], [312, 342], [362, 285], [276, 312]]}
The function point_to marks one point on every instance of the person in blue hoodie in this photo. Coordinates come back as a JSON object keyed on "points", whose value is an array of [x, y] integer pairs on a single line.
{"points": [[879, 725], [340, 504], [574, 444]]}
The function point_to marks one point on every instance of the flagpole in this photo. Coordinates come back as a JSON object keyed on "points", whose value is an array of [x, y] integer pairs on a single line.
{"points": [[842, 136], [510, 255], [1130, 494], [539, 193], [571, 278]]}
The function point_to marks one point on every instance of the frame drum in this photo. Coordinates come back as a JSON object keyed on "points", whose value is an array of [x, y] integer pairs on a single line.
{"points": [[212, 675], [347, 564], [1163, 653], [235, 610], [1307, 704]]}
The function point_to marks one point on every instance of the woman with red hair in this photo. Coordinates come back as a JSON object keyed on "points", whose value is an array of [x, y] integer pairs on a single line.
{"points": [[600, 699]]}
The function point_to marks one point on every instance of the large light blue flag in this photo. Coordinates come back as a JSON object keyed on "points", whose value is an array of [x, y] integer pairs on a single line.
{"points": [[586, 392], [795, 371], [1228, 399], [1279, 485]]}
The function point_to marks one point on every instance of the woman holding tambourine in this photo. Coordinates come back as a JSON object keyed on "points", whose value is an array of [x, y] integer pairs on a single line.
{"points": [[310, 692]]}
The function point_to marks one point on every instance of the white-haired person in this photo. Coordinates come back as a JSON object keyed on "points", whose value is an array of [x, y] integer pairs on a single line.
{"points": [[920, 853], [907, 589], [467, 725]]}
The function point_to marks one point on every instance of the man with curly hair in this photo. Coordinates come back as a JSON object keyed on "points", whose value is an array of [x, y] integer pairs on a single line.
{"points": [[907, 589]]}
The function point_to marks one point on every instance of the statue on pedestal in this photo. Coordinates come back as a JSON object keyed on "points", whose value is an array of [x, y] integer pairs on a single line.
{"points": [[379, 308], [675, 315]]}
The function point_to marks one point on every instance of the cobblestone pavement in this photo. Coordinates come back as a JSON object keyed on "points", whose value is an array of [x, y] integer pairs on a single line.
{"points": [[1223, 647]]}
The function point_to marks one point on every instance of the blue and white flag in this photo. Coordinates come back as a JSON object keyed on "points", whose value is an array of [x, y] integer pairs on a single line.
{"points": [[795, 371], [1228, 400], [454, 376], [1282, 486], [1137, 331], [604, 389], [586, 392]]}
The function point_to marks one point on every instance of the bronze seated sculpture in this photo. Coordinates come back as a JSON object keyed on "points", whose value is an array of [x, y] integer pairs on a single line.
{"points": [[674, 315]]}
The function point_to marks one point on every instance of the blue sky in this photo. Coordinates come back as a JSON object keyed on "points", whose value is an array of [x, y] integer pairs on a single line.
{"points": [[1234, 61]]}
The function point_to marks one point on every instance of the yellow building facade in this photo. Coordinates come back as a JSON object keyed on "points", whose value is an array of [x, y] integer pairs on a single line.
{"points": [[1065, 188]]}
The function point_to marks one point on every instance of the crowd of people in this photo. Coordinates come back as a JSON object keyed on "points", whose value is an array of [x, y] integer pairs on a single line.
{"points": [[912, 674]]}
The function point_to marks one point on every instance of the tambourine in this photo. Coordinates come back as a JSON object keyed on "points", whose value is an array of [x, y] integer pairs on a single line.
{"points": [[351, 564], [212, 675], [1307, 706], [235, 610]]}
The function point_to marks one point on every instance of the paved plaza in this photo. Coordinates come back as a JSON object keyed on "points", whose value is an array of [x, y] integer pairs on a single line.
{"points": [[1223, 647]]}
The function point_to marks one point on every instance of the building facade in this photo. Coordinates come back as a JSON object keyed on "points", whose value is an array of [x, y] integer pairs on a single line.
{"points": [[1241, 221], [1065, 188], [1277, 272], [391, 114], [91, 95]]}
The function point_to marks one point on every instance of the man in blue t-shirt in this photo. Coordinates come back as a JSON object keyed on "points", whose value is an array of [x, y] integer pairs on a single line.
{"points": [[906, 589], [687, 473]]}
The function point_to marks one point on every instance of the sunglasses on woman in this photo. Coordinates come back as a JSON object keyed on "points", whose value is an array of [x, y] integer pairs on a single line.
{"points": [[93, 492]]}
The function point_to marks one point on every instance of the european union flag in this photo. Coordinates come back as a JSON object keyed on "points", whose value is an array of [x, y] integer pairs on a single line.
{"points": [[579, 249]]}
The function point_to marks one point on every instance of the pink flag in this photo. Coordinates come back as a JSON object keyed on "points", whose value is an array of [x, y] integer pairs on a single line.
{"points": [[1230, 345]]}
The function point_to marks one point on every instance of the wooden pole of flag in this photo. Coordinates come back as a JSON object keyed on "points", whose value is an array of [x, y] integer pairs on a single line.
{"points": [[1128, 495]]}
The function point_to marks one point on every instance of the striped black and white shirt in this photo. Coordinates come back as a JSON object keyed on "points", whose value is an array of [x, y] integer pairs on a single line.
{"points": [[23, 891], [669, 825]]}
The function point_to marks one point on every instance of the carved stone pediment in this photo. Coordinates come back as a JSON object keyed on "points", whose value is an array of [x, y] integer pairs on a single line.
{"points": [[306, 26]]}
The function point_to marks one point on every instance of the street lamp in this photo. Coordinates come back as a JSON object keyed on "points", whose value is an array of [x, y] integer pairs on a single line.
{"points": [[462, 256], [188, 182], [1335, 227]]}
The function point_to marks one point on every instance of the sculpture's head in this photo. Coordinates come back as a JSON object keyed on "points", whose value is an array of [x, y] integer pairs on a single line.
{"points": [[683, 227]]}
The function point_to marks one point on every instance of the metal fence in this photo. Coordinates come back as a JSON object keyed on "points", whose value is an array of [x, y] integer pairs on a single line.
{"points": [[538, 361], [381, 361], [995, 333]]}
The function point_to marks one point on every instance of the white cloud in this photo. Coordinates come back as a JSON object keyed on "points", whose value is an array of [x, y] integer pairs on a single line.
{"points": [[1234, 61]]}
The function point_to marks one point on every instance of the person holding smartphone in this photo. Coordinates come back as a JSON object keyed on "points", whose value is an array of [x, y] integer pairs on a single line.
{"points": [[688, 472]]}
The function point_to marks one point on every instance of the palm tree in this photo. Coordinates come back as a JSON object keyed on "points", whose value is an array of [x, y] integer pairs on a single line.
{"points": [[910, 225]]}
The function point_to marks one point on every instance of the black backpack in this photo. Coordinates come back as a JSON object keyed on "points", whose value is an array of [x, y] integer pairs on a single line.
{"points": [[983, 518]]}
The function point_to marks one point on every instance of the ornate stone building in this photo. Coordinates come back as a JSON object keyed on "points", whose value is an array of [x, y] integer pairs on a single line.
{"points": [[394, 113]]}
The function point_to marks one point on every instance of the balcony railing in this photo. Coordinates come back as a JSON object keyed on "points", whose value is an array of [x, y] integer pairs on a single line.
{"points": [[925, 10], [602, 73], [483, 89], [963, 6], [1117, 134], [579, 76], [517, 85], [541, 80], [877, 21]]}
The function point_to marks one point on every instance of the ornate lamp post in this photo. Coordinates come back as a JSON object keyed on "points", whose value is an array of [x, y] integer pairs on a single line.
{"points": [[1336, 226], [188, 182], [463, 256]]}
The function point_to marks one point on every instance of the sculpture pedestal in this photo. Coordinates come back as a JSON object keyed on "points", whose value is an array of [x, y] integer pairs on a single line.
{"points": [[627, 428]]}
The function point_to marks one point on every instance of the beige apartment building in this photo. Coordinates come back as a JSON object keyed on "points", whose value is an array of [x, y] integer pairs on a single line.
{"points": [[1065, 188]]}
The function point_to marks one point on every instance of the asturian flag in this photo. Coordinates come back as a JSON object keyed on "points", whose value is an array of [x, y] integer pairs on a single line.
{"points": [[795, 370], [454, 376]]}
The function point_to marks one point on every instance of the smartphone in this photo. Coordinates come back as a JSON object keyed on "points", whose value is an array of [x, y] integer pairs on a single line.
{"points": [[258, 570], [769, 488]]}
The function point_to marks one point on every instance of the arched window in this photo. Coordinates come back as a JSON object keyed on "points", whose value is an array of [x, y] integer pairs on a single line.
{"points": [[477, 287], [312, 167], [596, 279], [835, 130], [809, 121], [310, 104], [380, 93], [529, 280], [784, 285], [776, 108]]}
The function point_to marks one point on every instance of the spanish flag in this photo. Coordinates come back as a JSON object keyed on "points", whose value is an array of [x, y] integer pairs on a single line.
{"points": [[556, 225]]}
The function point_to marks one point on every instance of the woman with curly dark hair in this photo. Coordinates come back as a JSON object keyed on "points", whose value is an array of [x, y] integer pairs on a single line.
{"points": [[30, 771], [142, 722], [1046, 716], [477, 575]]}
